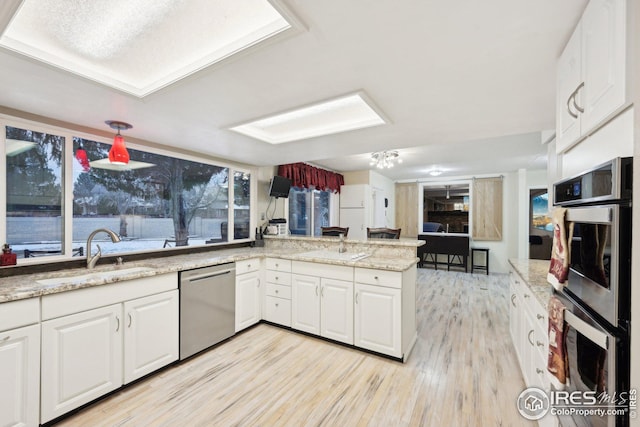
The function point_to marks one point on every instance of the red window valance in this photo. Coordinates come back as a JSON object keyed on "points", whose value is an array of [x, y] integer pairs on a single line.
{"points": [[303, 175]]}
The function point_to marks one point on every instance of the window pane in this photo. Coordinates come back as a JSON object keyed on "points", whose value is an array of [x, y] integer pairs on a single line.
{"points": [[241, 208], [300, 211], [321, 211], [160, 202], [34, 192]]}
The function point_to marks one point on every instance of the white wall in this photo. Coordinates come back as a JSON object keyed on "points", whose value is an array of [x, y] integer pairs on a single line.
{"points": [[388, 188]]}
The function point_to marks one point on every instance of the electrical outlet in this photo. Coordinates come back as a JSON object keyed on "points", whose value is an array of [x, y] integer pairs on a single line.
{"points": [[262, 217]]}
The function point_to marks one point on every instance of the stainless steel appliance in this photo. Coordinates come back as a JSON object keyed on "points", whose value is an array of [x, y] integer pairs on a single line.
{"points": [[207, 307], [598, 289]]}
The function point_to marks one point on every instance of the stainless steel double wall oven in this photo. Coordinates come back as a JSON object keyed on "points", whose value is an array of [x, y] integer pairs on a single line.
{"points": [[598, 290]]}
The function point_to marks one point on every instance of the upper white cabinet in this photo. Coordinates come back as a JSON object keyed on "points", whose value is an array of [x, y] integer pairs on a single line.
{"points": [[591, 79], [355, 196]]}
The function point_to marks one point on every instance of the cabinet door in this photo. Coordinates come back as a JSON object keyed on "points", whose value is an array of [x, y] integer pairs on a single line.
{"points": [[603, 60], [81, 359], [336, 310], [150, 334], [377, 319], [20, 376], [569, 78], [354, 196], [305, 303], [247, 300]]}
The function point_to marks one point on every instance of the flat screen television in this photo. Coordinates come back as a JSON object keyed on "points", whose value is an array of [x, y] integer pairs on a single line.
{"points": [[280, 187]]}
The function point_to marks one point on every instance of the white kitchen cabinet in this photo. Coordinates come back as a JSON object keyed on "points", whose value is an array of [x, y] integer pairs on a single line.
{"points": [[591, 73], [355, 209], [151, 334], [81, 359], [96, 339], [322, 300], [305, 303], [20, 376], [378, 319], [336, 310], [248, 294], [355, 196], [277, 299]]}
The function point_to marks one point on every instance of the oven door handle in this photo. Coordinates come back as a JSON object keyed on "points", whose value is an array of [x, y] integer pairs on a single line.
{"points": [[601, 215], [597, 337]]}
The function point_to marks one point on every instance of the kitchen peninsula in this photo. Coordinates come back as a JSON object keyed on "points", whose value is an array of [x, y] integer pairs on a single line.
{"points": [[364, 297]]}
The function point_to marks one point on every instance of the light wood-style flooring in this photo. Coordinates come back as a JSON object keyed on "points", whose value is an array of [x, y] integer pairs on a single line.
{"points": [[462, 372]]}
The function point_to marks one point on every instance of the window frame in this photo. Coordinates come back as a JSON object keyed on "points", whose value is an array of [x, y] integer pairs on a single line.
{"points": [[67, 181], [334, 209]]}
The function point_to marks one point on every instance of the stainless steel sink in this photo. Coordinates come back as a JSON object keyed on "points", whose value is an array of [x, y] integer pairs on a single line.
{"points": [[335, 255], [105, 276]]}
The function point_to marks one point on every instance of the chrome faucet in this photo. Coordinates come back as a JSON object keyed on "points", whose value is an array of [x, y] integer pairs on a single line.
{"points": [[341, 248], [92, 260]]}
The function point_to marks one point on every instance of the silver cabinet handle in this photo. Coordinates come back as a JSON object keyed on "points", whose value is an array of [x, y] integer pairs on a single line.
{"points": [[539, 343], [5, 338], [248, 265], [571, 113], [276, 278], [512, 300], [130, 320], [529, 337], [258, 282], [527, 296], [117, 324], [539, 371], [375, 278], [575, 93], [539, 316], [356, 297], [322, 292], [316, 290]]}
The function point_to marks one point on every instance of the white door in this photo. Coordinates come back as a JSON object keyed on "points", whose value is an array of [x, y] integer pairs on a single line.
{"points": [[569, 78], [336, 310], [603, 59], [247, 300], [20, 376], [305, 303], [81, 359], [377, 319], [151, 334]]}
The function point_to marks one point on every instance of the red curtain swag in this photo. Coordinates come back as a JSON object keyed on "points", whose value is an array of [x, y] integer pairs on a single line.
{"points": [[305, 176]]}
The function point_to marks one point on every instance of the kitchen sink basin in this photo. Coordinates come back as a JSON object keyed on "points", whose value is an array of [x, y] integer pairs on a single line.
{"points": [[106, 276], [335, 255]]}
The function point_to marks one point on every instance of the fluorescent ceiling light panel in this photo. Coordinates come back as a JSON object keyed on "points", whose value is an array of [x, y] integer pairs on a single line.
{"points": [[337, 115], [139, 46]]}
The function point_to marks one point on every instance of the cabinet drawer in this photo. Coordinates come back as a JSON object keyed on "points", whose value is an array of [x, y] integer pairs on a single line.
{"points": [[328, 271], [277, 310], [279, 277], [247, 265], [19, 313], [278, 264], [391, 279], [280, 291]]}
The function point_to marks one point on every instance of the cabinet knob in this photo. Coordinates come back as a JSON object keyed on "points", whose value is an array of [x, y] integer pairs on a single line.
{"points": [[375, 277], [539, 344], [527, 296], [276, 304], [277, 291], [539, 371], [248, 265], [5, 338], [539, 316]]}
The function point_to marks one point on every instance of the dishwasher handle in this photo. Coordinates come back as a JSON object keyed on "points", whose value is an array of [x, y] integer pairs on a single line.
{"points": [[209, 275]]}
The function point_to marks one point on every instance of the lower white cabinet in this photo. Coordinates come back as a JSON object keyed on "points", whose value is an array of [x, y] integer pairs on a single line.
{"points": [[378, 319], [90, 353], [150, 334], [81, 359], [247, 300], [322, 306], [20, 376]]}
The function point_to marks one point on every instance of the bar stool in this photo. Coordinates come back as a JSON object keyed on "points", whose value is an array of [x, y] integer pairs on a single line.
{"points": [[475, 266]]}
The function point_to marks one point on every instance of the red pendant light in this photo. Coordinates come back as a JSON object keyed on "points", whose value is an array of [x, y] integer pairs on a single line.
{"points": [[81, 156], [118, 154]]}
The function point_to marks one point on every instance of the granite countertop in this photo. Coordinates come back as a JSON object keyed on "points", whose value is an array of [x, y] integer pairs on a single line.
{"points": [[534, 273], [403, 241], [34, 285]]}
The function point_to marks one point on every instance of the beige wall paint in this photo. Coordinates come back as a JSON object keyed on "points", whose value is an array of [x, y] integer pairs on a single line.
{"points": [[356, 177], [407, 209]]}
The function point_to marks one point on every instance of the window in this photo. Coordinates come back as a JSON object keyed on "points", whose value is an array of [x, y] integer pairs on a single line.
{"points": [[60, 187], [309, 210], [34, 191], [539, 203]]}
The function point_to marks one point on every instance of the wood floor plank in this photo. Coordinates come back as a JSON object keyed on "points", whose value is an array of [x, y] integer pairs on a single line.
{"points": [[462, 372]]}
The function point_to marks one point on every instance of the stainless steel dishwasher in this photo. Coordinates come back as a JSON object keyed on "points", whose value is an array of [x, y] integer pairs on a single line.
{"points": [[207, 307]]}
